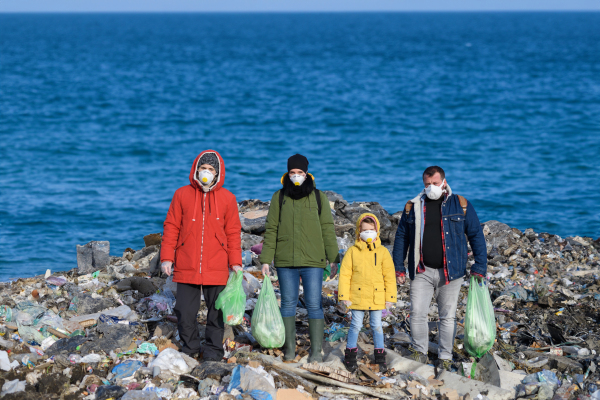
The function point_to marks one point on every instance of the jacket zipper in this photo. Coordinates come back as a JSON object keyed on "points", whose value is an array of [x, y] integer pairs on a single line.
{"points": [[202, 240], [446, 271]]}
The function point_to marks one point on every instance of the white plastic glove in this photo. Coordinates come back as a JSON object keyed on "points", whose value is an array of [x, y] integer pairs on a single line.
{"points": [[265, 269], [236, 268], [166, 267]]}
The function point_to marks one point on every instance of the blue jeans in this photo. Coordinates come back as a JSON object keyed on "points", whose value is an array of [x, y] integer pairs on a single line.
{"points": [[357, 323], [289, 285]]}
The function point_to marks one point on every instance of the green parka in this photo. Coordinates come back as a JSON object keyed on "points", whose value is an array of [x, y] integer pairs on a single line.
{"points": [[301, 238]]}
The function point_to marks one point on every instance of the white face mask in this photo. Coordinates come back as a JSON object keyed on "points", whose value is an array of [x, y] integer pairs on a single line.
{"points": [[434, 192], [298, 179], [206, 177], [368, 236]]}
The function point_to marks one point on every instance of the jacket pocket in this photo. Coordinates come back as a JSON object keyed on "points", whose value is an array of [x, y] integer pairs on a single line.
{"points": [[378, 294], [458, 225], [311, 210], [184, 258], [185, 239], [283, 251], [222, 241], [355, 295]]}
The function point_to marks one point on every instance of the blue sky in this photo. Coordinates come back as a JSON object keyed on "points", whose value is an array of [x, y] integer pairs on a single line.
{"points": [[292, 5]]}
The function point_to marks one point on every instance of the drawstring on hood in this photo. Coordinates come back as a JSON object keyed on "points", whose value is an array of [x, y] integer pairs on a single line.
{"points": [[210, 192]]}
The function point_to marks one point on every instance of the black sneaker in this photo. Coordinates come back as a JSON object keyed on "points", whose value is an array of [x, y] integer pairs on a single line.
{"points": [[379, 355], [350, 359]]}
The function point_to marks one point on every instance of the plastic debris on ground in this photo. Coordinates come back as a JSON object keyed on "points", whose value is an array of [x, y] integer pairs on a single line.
{"points": [[107, 328]]}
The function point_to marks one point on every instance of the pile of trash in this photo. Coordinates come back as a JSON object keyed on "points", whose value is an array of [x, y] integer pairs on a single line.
{"points": [[107, 329]]}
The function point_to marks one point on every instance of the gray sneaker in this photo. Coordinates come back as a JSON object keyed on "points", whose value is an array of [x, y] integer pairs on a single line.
{"points": [[417, 356], [444, 364]]}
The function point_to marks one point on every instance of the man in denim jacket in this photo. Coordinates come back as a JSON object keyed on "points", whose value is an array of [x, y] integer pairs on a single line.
{"points": [[433, 231]]}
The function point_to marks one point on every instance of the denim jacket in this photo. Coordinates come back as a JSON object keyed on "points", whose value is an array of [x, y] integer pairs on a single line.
{"points": [[457, 226]]}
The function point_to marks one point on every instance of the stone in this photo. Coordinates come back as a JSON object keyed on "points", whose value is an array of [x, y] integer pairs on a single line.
{"points": [[353, 211], [86, 304], [145, 252], [249, 240], [142, 285], [252, 205], [254, 226], [561, 363], [491, 227], [92, 256], [152, 239]]}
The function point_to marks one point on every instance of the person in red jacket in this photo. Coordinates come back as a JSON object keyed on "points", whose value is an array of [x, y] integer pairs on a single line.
{"points": [[201, 243]]}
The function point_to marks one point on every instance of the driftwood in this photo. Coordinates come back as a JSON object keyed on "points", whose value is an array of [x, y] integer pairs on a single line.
{"points": [[336, 390], [342, 376], [57, 333], [328, 381], [365, 370]]}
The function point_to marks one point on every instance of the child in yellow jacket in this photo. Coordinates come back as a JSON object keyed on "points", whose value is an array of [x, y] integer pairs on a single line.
{"points": [[367, 283]]}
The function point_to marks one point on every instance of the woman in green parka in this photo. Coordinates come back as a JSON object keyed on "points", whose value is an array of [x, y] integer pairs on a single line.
{"points": [[300, 240]]}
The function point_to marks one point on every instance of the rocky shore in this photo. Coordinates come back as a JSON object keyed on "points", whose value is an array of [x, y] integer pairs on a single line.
{"points": [[106, 329]]}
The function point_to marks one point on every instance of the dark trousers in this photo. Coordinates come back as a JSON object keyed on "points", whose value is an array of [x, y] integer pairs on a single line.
{"points": [[186, 310]]}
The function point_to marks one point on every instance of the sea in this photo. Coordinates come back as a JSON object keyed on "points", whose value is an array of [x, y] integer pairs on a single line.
{"points": [[101, 116]]}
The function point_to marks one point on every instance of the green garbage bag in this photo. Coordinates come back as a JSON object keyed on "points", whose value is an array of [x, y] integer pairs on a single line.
{"points": [[232, 300], [267, 324], [480, 322]]}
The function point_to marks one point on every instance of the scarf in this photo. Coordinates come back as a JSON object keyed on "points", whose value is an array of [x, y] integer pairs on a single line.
{"points": [[298, 192]]}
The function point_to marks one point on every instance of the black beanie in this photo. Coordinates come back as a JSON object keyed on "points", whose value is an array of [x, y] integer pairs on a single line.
{"points": [[297, 161]]}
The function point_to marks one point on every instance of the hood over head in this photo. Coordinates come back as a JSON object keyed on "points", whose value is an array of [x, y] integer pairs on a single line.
{"points": [[220, 172], [360, 243]]}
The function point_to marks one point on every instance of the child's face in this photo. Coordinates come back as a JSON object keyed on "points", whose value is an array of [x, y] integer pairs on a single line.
{"points": [[367, 226]]}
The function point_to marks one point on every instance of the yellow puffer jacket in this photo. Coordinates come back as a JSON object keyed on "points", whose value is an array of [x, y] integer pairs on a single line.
{"points": [[367, 274]]}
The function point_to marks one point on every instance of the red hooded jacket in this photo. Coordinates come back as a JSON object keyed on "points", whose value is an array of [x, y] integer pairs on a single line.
{"points": [[202, 231]]}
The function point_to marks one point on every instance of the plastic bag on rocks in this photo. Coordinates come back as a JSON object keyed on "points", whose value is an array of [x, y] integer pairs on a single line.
{"points": [[155, 306], [148, 348], [267, 324], [140, 395], [29, 333], [480, 323], [6, 313], [66, 346], [249, 382], [91, 358], [5, 363], [12, 387], [171, 360], [185, 393], [56, 280], [232, 300], [110, 392], [250, 284], [126, 369]]}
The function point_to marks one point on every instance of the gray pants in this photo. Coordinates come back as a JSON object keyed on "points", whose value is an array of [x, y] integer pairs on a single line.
{"points": [[422, 289]]}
